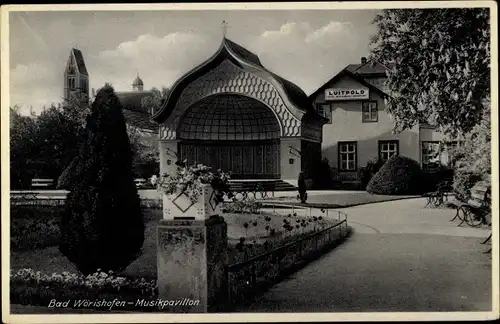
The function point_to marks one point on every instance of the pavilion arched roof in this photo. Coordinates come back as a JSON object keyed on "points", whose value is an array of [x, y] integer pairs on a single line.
{"points": [[242, 57]]}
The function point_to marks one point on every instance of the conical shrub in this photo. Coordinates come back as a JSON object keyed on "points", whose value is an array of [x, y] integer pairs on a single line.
{"points": [[398, 176], [102, 225]]}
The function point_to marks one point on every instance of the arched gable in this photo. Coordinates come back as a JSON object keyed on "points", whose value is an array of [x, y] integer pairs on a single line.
{"points": [[226, 78]]}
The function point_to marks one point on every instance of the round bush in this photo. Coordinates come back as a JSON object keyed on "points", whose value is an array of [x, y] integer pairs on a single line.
{"points": [[398, 176], [371, 168]]}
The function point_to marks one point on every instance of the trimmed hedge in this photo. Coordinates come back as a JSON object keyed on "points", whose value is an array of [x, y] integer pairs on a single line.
{"points": [[371, 168], [102, 226], [398, 176]]}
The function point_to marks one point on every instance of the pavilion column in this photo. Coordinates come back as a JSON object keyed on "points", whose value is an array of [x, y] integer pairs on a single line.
{"points": [[291, 162], [168, 156]]}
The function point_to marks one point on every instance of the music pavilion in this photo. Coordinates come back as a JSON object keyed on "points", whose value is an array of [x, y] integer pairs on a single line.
{"points": [[232, 113]]}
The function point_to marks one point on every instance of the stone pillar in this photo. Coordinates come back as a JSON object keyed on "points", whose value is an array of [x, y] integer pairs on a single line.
{"points": [[192, 260]]}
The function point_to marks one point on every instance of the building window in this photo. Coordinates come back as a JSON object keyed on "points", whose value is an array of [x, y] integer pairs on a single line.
{"points": [[84, 86], [430, 152], [72, 83], [347, 156], [369, 111], [435, 154], [386, 149], [325, 110]]}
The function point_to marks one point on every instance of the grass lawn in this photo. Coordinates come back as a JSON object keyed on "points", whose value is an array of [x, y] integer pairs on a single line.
{"points": [[341, 200], [49, 260]]}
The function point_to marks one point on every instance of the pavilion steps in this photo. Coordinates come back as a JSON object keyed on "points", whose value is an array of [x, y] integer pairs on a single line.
{"points": [[267, 184]]}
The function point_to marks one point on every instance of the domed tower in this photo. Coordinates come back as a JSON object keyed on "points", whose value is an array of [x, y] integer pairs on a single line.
{"points": [[138, 85]]}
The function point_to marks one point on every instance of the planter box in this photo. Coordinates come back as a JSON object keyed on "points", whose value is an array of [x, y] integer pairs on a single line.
{"points": [[180, 206]]}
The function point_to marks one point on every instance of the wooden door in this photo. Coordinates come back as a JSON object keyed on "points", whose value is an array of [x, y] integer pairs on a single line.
{"points": [[245, 160]]}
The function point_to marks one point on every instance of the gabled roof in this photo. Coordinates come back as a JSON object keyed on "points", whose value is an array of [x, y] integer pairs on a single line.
{"points": [[132, 100], [242, 52], [139, 119], [370, 68], [236, 54], [135, 114], [80, 63], [352, 67], [352, 75]]}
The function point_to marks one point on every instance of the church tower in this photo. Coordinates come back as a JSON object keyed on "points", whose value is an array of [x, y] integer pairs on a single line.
{"points": [[76, 77], [138, 85]]}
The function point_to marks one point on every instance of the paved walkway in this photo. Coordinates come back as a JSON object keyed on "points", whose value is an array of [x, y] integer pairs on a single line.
{"points": [[401, 257]]}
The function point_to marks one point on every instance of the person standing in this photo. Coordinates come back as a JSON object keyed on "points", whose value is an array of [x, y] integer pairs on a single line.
{"points": [[302, 187]]}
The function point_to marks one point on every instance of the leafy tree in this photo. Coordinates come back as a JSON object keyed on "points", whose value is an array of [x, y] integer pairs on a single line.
{"points": [[156, 99], [439, 63], [102, 227], [56, 142], [76, 109], [145, 152], [43, 145], [144, 145], [472, 160], [475, 153], [23, 130]]}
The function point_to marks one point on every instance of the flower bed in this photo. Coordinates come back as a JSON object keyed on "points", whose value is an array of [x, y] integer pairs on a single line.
{"points": [[34, 227], [38, 289], [265, 233], [248, 278]]}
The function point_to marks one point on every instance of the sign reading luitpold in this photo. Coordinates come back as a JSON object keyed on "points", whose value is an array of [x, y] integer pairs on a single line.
{"points": [[346, 94]]}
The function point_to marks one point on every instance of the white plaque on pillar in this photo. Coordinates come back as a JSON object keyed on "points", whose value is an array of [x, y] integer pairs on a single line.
{"points": [[180, 205]]}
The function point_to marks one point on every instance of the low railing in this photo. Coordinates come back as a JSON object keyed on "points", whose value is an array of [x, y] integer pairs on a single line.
{"points": [[242, 195], [33, 198], [245, 191], [248, 278]]}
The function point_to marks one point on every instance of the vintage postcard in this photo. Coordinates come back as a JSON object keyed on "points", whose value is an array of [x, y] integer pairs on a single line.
{"points": [[249, 162]]}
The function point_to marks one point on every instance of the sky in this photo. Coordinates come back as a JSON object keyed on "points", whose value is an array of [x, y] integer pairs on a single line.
{"points": [[307, 47]]}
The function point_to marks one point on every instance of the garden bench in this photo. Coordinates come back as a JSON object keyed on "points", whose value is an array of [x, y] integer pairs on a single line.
{"points": [[477, 210], [42, 183], [440, 196], [244, 188]]}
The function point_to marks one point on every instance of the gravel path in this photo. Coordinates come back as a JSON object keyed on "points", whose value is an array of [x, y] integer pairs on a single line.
{"points": [[401, 258]]}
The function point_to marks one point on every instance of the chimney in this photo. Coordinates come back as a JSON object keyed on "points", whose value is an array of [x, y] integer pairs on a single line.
{"points": [[93, 92], [363, 60]]}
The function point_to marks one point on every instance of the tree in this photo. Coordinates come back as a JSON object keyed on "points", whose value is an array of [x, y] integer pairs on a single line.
{"points": [[102, 227], [23, 130], [153, 102], [475, 153], [439, 66], [76, 110], [472, 160], [144, 145], [56, 142], [145, 152]]}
